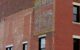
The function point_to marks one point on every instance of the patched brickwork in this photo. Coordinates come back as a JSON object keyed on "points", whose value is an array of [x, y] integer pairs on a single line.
{"points": [[14, 30]]}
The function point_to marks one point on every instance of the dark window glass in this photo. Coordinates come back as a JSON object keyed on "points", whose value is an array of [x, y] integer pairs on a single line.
{"points": [[9, 48], [76, 44], [76, 14], [25, 47], [42, 43]]}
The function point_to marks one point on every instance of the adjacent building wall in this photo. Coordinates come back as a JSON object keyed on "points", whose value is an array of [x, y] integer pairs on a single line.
{"points": [[63, 25]]}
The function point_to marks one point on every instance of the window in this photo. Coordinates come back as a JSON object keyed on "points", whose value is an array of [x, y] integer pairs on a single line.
{"points": [[42, 43], [25, 47], [76, 14], [76, 44], [9, 48]]}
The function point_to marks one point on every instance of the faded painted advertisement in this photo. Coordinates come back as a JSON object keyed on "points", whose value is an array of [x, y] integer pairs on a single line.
{"points": [[43, 17]]}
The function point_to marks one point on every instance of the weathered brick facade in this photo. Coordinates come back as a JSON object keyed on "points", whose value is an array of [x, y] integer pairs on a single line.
{"points": [[21, 20], [16, 29]]}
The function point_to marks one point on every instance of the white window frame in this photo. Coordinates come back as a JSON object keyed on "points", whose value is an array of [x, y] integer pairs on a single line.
{"points": [[42, 36], [75, 3], [11, 45], [25, 42], [76, 36], [8, 46]]}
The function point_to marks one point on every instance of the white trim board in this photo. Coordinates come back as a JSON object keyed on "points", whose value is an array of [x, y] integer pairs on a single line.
{"points": [[42, 36], [11, 45], [75, 3], [76, 23], [76, 36], [24, 42]]}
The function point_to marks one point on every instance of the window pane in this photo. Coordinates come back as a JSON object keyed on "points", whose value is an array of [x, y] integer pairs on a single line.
{"points": [[76, 14], [11, 48], [75, 10], [74, 18], [26, 46], [43, 43], [76, 44], [8, 48]]}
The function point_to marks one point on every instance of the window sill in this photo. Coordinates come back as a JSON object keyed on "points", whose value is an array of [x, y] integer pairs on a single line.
{"points": [[76, 23]]}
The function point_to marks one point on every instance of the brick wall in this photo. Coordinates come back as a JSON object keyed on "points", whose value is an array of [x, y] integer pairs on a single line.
{"points": [[19, 27], [15, 29], [9, 7], [63, 25], [77, 1], [2, 24]]}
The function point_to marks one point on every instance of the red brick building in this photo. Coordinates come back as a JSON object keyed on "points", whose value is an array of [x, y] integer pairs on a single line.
{"points": [[39, 24]]}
